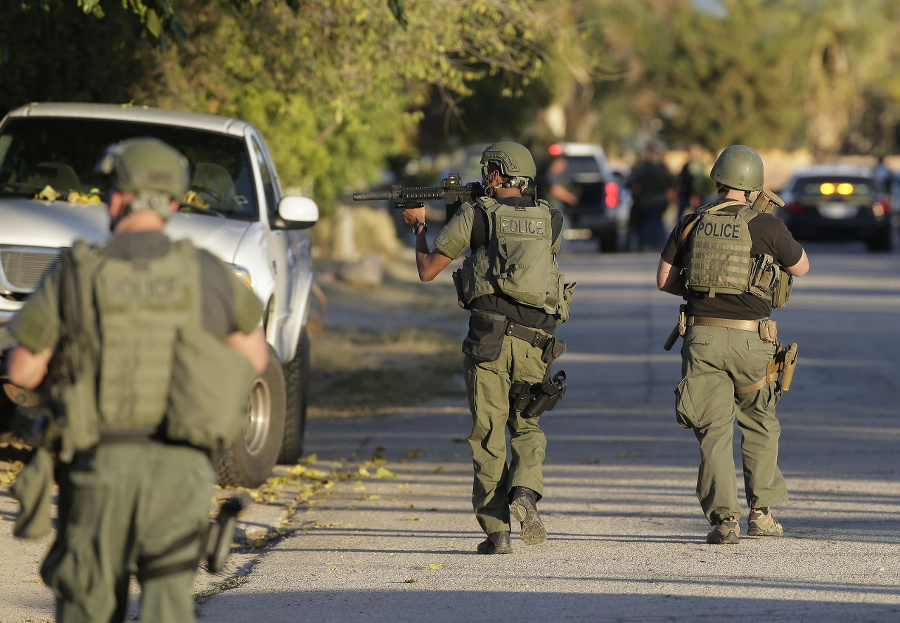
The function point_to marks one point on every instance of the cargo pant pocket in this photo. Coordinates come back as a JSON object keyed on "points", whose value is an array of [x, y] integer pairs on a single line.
{"points": [[685, 411], [72, 569]]}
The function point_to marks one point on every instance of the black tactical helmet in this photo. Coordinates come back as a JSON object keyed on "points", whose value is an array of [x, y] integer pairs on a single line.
{"points": [[512, 159], [738, 167], [149, 167]]}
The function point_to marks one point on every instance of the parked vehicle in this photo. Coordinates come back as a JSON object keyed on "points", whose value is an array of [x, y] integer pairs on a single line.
{"points": [[600, 213], [838, 202], [48, 155]]}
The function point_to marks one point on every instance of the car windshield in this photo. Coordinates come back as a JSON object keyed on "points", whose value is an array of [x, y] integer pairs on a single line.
{"points": [[62, 153], [836, 185], [579, 165]]}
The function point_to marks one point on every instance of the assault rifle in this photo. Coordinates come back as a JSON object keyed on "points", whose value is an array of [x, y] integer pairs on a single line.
{"points": [[452, 191]]}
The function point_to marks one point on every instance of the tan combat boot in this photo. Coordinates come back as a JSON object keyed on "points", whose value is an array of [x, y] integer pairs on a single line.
{"points": [[763, 523], [725, 533]]}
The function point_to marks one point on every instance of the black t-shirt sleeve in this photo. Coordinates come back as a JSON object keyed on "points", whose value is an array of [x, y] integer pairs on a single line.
{"points": [[674, 249], [556, 223], [770, 235]]}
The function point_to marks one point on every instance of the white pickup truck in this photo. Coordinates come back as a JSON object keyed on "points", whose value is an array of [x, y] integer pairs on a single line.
{"points": [[48, 154]]}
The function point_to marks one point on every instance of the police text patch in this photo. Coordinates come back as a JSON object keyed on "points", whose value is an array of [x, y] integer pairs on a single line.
{"points": [[522, 226]]}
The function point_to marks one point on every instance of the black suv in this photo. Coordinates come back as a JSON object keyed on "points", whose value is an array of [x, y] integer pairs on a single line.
{"points": [[600, 213], [838, 202]]}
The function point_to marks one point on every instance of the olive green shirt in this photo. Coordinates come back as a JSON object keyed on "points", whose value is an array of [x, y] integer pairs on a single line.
{"points": [[228, 304]]}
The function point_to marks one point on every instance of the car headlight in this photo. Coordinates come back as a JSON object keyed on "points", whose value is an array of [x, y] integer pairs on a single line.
{"points": [[243, 274]]}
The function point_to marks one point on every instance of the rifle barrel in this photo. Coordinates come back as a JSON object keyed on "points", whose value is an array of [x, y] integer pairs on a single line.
{"points": [[404, 193], [372, 196]]}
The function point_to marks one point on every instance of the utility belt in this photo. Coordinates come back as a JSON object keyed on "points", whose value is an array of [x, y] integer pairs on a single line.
{"points": [[484, 342], [780, 368], [84, 460], [767, 329]]}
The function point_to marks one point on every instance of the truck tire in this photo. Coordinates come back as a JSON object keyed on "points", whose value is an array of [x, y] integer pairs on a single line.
{"points": [[249, 460], [296, 381]]}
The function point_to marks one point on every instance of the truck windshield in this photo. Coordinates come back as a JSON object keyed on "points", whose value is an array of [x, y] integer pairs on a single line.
{"points": [[62, 153]]}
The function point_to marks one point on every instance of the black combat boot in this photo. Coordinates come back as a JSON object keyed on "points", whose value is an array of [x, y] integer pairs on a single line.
{"points": [[495, 543], [523, 506]]}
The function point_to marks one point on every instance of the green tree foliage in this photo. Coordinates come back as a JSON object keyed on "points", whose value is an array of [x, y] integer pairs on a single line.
{"points": [[339, 87], [772, 73], [335, 85]]}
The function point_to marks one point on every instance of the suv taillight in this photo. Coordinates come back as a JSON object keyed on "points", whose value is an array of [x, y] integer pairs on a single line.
{"points": [[612, 194], [881, 208], [795, 207]]}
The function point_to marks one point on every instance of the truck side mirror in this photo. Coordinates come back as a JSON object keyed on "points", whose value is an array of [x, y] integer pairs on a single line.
{"points": [[296, 212]]}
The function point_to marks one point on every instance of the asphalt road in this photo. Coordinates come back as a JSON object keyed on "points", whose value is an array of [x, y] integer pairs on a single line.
{"points": [[627, 538]]}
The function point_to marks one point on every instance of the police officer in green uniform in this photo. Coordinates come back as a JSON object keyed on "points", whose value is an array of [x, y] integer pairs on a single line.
{"points": [[722, 259], [512, 285], [130, 496]]}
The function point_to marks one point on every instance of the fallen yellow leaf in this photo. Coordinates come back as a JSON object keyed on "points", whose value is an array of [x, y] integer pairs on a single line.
{"points": [[383, 472]]}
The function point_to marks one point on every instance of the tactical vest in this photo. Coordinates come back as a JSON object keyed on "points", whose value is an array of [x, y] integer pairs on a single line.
{"points": [[719, 260], [130, 315], [519, 260]]}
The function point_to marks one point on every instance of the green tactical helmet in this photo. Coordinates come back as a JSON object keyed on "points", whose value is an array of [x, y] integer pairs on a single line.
{"points": [[149, 167], [513, 159], [739, 167]]}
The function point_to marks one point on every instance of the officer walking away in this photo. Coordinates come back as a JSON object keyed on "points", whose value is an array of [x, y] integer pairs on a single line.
{"points": [[516, 295], [732, 264], [650, 183], [107, 328]]}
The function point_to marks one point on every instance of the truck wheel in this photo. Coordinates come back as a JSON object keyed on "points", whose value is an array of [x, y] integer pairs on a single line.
{"points": [[249, 460], [296, 381]]}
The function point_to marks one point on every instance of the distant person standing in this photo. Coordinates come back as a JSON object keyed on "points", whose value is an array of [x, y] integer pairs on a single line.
{"points": [[650, 183], [557, 185], [884, 177], [693, 182], [561, 196]]}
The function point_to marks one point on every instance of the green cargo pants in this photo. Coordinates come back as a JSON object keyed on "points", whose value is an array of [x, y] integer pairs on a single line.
{"points": [[137, 508], [488, 385], [715, 360]]}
